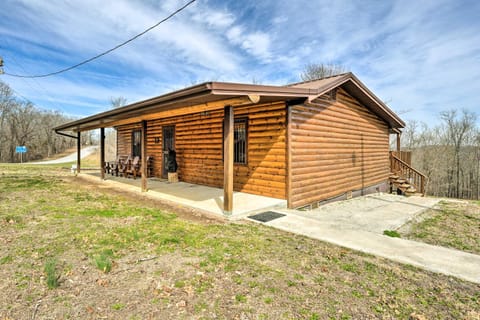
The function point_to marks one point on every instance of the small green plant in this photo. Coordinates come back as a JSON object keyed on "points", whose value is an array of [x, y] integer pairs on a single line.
{"points": [[349, 267], [6, 259], [298, 276], [118, 306], [240, 298], [103, 261], [12, 219], [314, 316], [51, 273], [179, 284], [268, 300], [391, 233]]}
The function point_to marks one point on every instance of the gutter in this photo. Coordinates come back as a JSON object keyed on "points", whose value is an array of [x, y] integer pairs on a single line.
{"points": [[65, 134]]}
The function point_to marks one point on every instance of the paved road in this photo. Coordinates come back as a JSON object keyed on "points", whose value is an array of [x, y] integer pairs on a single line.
{"points": [[85, 152]]}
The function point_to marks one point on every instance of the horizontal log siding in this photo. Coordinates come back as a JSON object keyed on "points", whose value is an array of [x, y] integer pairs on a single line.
{"points": [[336, 147], [124, 139], [265, 172], [198, 142]]}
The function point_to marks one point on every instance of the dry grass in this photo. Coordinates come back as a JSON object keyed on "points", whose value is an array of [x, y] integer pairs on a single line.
{"points": [[454, 224], [166, 267]]}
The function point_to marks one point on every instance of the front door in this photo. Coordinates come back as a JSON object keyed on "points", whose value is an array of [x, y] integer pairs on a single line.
{"points": [[168, 142]]}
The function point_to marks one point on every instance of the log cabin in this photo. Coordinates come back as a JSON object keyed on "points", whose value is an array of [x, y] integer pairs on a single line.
{"points": [[307, 142]]}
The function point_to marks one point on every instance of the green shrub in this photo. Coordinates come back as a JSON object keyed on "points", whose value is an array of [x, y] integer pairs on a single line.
{"points": [[103, 261], [51, 273]]}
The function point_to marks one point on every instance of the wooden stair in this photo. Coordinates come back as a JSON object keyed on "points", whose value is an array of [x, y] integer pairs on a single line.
{"points": [[402, 186], [404, 179]]}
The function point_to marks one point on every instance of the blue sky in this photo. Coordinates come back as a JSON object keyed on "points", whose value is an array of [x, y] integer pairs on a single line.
{"points": [[421, 57]]}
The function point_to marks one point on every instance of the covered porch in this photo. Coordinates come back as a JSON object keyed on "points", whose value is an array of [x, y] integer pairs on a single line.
{"points": [[216, 105], [203, 198]]}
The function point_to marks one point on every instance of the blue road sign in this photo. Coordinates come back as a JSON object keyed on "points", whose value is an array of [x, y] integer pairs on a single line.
{"points": [[20, 149]]}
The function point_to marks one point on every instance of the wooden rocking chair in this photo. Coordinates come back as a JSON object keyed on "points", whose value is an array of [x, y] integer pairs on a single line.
{"points": [[124, 166], [134, 168]]}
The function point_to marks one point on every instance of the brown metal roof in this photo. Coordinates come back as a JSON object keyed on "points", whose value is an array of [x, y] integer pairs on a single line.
{"points": [[356, 88], [215, 91]]}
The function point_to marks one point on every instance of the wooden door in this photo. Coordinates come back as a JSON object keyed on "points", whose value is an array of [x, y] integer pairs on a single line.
{"points": [[168, 142]]}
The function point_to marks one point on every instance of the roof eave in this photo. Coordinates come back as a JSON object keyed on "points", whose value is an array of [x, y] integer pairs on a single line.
{"points": [[190, 91], [399, 123]]}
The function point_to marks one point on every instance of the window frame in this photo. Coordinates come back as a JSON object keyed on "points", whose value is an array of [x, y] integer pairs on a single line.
{"points": [[245, 122], [139, 132]]}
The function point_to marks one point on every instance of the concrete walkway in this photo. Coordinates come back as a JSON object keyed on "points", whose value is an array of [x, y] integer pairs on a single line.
{"points": [[339, 227]]}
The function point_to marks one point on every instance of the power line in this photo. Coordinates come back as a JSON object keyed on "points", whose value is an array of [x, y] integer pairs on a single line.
{"points": [[105, 52], [46, 92]]}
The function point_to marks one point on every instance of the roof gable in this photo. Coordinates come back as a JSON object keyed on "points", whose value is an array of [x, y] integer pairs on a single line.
{"points": [[358, 90]]}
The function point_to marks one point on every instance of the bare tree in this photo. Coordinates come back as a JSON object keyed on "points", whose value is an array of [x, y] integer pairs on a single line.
{"points": [[21, 123], [314, 71], [457, 130], [118, 102]]}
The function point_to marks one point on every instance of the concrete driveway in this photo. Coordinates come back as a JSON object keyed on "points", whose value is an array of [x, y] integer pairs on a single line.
{"points": [[373, 213], [359, 223]]}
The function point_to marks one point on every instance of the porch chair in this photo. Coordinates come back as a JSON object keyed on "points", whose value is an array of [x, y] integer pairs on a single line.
{"points": [[113, 166], [134, 168], [124, 166]]}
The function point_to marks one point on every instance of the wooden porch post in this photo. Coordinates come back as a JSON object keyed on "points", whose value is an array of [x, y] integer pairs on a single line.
{"points": [[102, 153], [398, 143], [289, 156], [144, 155], [79, 144], [228, 160]]}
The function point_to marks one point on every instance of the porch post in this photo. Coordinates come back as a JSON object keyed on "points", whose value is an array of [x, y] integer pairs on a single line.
{"points": [[398, 143], [228, 160], [102, 153], [79, 144], [144, 155]]}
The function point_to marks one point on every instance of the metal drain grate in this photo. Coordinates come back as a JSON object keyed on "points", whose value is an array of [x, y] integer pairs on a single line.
{"points": [[267, 216]]}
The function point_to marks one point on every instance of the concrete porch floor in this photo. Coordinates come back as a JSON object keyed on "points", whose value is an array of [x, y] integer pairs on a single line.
{"points": [[195, 196]]}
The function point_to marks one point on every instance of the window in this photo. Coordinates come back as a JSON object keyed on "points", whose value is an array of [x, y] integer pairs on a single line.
{"points": [[136, 143], [240, 141]]}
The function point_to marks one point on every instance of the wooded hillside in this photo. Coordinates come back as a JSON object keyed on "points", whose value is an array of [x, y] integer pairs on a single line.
{"points": [[449, 154], [24, 124]]}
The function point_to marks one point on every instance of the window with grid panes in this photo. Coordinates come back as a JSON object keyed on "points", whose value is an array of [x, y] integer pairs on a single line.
{"points": [[240, 141]]}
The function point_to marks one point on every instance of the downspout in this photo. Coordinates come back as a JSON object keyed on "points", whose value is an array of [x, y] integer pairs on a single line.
{"points": [[77, 137], [65, 134]]}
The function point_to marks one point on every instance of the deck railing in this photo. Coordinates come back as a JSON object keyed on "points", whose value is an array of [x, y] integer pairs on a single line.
{"points": [[405, 156], [404, 170]]}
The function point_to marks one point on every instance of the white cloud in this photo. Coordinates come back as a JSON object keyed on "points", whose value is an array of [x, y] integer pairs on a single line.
{"points": [[255, 43], [421, 55]]}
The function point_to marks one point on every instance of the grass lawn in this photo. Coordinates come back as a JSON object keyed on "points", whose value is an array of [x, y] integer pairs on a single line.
{"points": [[74, 250], [454, 224]]}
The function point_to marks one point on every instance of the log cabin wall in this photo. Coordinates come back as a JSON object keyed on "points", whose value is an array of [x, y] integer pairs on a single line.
{"points": [[199, 147], [337, 146], [124, 138]]}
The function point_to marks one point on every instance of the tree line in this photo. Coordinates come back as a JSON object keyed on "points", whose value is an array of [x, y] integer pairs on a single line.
{"points": [[24, 124], [448, 154]]}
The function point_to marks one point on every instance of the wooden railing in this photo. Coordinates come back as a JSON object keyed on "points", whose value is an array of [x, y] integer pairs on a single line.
{"points": [[404, 170], [405, 156]]}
